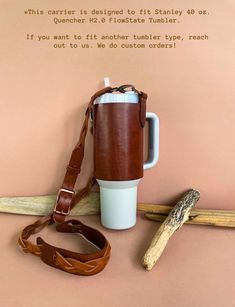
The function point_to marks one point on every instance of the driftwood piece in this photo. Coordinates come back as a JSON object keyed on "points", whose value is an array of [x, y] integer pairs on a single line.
{"points": [[43, 205], [166, 209], [178, 215], [212, 219]]}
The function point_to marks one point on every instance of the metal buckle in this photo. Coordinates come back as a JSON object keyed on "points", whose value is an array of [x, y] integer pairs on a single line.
{"points": [[58, 196], [62, 212]]}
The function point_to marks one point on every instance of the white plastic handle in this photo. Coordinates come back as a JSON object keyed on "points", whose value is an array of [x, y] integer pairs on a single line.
{"points": [[153, 140]]}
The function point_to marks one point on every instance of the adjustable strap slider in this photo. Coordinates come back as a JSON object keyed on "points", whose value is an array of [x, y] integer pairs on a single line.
{"points": [[62, 212], [64, 190], [63, 209]]}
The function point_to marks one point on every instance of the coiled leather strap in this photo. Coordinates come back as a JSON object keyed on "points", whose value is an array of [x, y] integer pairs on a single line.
{"points": [[68, 261], [71, 262]]}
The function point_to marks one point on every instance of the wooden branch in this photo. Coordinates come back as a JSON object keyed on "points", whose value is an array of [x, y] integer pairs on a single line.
{"points": [[178, 215], [165, 209], [43, 205], [201, 219]]}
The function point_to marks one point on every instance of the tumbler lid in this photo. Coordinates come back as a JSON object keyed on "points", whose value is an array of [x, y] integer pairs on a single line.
{"points": [[116, 97], [127, 97]]}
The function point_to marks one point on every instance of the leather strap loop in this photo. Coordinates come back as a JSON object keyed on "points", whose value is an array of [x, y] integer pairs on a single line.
{"points": [[68, 261]]}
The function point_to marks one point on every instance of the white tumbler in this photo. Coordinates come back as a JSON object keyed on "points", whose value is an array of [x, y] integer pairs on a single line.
{"points": [[118, 154]]}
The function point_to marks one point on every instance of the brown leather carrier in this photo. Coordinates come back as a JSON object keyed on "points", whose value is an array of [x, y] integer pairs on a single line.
{"points": [[118, 141], [68, 261]]}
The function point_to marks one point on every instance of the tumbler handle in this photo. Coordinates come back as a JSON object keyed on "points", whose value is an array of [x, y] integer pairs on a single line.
{"points": [[153, 140]]}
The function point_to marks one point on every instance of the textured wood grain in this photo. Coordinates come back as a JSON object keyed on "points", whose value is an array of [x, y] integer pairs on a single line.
{"points": [[44, 205], [166, 209], [178, 215], [221, 220]]}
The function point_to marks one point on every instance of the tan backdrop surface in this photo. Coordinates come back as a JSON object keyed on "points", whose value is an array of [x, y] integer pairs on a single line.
{"points": [[43, 96], [44, 92]]}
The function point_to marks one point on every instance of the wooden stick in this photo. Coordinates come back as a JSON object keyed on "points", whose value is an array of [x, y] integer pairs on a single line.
{"points": [[178, 215], [208, 220], [43, 205], [165, 209]]}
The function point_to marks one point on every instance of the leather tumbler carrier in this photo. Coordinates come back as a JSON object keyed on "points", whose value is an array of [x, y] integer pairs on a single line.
{"points": [[118, 141]]}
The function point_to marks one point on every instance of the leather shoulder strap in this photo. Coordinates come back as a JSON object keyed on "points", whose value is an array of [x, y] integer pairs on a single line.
{"points": [[66, 195], [68, 261], [71, 262]]}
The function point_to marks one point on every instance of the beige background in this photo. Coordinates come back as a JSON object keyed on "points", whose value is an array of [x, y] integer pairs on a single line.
{"points": [[196, 269], [44, 93], [43, 96]]}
